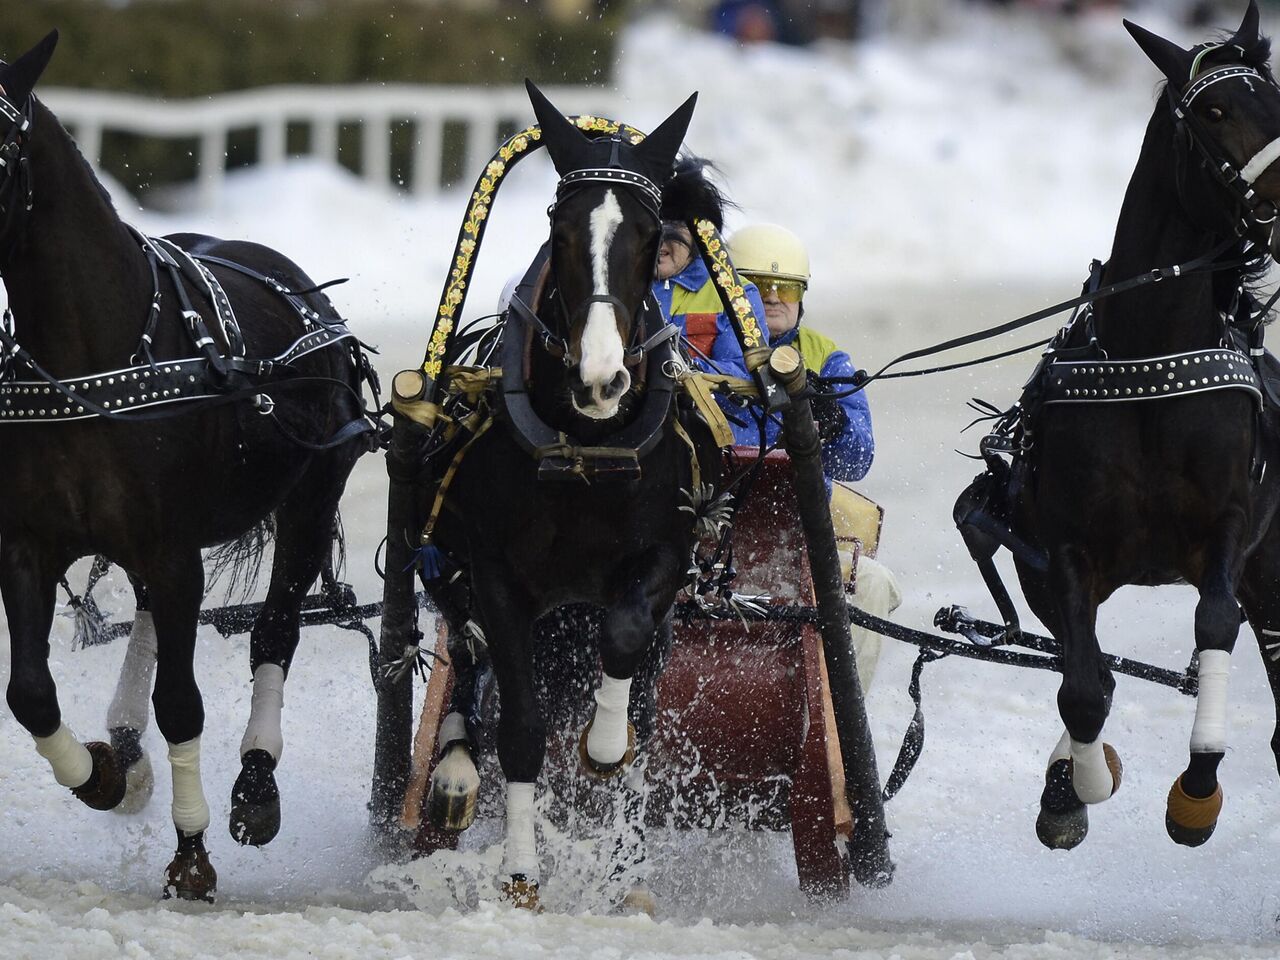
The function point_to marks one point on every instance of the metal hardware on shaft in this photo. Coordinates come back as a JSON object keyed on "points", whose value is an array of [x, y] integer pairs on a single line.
{"points": [[869, 846]]}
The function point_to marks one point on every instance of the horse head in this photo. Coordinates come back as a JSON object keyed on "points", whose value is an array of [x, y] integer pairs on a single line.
{"points": [[605, 231], [1226, 109], [17, 81]]}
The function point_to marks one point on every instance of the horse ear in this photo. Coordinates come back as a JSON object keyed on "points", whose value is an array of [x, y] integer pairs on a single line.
{"points": [[1247, 36], [658, 150], [563, 140], [19, 78], [1173, 61]]}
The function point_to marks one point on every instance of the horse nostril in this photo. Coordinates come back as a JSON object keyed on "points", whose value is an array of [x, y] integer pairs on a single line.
{"points": [[617, 386]]}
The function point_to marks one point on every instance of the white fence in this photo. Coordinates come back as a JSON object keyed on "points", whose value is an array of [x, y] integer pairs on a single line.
{"points": [[273, 111]]}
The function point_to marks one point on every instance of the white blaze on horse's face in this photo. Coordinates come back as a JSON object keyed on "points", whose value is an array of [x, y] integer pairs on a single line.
{"points": [[601, 366]]}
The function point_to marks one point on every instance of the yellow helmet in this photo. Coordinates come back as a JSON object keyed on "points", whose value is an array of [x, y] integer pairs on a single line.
{"points": [[769, 251]]}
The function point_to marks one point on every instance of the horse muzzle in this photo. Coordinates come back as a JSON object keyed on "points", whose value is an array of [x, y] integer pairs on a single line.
{"points": [[600, 398]]}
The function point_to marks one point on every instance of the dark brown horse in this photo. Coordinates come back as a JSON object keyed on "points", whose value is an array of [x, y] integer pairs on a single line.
{"points": [[596, 512], [1145, 458], [107, 320]]}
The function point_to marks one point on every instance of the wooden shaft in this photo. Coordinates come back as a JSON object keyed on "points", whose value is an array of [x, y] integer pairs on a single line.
{"points": [[869, 845], [392, 739]]}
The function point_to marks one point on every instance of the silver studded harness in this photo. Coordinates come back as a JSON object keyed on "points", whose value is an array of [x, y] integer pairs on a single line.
{"points": [[220, 374]]}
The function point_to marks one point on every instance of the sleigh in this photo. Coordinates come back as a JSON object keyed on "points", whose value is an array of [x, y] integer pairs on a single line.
{"points": [[745, 731]]}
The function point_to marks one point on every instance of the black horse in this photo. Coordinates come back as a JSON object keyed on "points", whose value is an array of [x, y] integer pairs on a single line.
{"points": [[595, 517], [104, 316], [1122, 480]]}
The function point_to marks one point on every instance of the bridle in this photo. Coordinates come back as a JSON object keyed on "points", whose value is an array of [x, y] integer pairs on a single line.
{"points": [[1257, 212], [16, 196], [650, 196]]}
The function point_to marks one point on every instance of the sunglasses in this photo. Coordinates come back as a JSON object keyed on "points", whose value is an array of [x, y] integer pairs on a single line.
{"points": [[788, 291]]}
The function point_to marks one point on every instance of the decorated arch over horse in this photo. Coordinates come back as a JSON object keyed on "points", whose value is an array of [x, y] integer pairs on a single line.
{"points": [[711, 247]]}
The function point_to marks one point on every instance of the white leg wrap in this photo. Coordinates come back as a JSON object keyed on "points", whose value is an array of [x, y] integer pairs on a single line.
{"points": [[878, 594], [1090, 774], [452, 730], [1063, 749], [131, 706], [521, 854], [607, 738], [72, 765], [190, 811], [1209, 732], [263, 731]]}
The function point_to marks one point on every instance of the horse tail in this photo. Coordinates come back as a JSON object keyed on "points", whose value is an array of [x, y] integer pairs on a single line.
{"points": [[238, 562]]}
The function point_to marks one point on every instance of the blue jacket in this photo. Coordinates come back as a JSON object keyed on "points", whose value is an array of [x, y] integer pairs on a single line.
{"points": [[848, 456], [690, 301]]}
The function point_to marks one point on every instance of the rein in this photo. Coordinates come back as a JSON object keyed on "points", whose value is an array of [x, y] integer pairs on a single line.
{"points": [[1237, 180], [1206, 262]]}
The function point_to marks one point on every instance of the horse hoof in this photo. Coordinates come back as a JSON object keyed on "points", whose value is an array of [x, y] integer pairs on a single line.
{"points": [[190, 875], [1064, 820], [521, 892], [1114, 765], [105, 787], [606, 771], [638, 901], [139, 778], [1190, 820], [255, 801], [455, 789]]}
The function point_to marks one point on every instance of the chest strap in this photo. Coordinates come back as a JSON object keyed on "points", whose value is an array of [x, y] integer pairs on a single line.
{"points": [[141, 386], [1150, 378]]}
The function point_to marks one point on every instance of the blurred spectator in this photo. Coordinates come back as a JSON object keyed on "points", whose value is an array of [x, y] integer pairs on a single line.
{"points": [[747, 21], [795, 22]]}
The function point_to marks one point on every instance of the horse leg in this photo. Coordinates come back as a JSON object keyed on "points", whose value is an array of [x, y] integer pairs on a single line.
{"points": [[1260, 594], [304, 525], [630, 850], [1082, 769], [131, 705], [177, 587], [608, 743], [455, 781], [1195, 799], [507, 615], [29, 575]]}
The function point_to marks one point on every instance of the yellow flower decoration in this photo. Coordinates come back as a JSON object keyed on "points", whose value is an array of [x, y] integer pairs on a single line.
{"points": [[454, 295], [729, 285]]}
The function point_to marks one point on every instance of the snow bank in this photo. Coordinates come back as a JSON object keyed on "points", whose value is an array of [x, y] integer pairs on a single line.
{"points": [[947, 184]]}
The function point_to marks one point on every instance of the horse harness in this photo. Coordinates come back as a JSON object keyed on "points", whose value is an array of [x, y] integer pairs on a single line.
{"points": [[1191, 131], [486, 394], [130, 393], [16, 192], [127, 393]]}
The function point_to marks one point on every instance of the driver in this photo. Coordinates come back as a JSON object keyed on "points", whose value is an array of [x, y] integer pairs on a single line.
{"points": [[776, 261]]}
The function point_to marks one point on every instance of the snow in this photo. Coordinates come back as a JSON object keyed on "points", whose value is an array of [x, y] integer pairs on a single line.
{"points": [[943, 186]]}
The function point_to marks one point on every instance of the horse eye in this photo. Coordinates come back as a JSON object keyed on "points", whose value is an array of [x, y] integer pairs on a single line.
{"points": [[1216, 114]]}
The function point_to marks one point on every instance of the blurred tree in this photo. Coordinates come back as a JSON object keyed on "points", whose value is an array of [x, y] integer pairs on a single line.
{"points": [[182, 48]]}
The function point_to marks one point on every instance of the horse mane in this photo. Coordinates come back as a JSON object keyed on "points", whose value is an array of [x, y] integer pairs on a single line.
{"points": [[1258, 56], [52, 118], [690, 194]]}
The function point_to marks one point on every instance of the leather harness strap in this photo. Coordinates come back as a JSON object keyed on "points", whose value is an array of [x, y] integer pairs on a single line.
{"points": [[1150, 378]]}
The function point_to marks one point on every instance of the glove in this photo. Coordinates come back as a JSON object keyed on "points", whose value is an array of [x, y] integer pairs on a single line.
{"points": [[828, 414]]}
